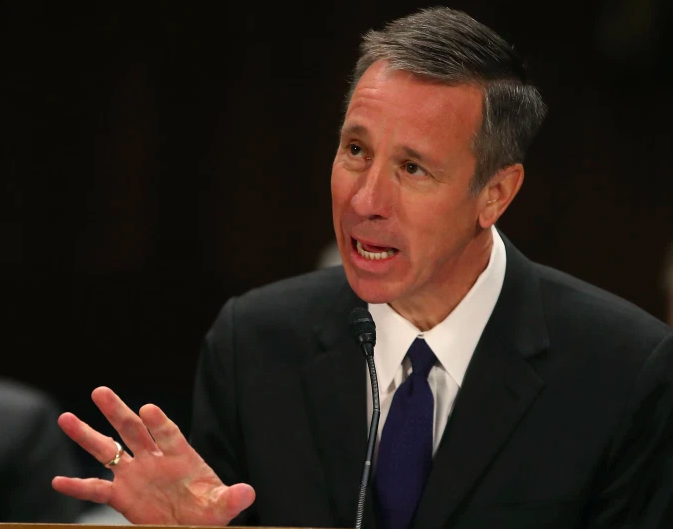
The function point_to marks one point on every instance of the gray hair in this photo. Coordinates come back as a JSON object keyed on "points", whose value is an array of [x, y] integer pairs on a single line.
{"points": [[450, 47]]}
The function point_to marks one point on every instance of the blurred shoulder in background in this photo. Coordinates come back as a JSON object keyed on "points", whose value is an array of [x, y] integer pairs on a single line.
{"points": [[33, 450], [328, 256]]}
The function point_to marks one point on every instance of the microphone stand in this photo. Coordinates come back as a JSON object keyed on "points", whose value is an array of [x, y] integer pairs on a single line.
{"points": [[373, 429]]}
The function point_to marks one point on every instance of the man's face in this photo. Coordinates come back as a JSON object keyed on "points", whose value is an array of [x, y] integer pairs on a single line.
{"points": [[403, 213]]}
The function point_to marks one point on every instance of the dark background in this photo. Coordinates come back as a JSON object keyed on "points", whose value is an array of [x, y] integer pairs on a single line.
{"points": [[157, 159]]}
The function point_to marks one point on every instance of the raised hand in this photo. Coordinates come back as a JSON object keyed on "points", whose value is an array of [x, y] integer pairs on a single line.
{"points": [[164, 482]]}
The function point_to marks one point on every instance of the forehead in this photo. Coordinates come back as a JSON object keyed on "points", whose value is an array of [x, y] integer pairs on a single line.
{"points": [[400, 102]]}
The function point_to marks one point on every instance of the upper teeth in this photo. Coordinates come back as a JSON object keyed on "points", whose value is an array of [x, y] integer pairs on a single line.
{"points": [[372, 255]]}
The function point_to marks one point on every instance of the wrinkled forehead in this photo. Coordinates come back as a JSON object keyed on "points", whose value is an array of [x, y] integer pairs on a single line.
{"points": [[404, 100]]}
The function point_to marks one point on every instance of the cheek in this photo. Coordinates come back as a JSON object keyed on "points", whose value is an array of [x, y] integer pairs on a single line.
{"points": [[424, 217], [433, 228], [341, 190], [338, 201]]}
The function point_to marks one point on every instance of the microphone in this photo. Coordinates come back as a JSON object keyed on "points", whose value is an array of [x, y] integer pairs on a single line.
{"points": [[364, 331]]}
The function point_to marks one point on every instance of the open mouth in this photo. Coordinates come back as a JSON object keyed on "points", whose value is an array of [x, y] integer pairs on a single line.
{"points": [[371, 252]]}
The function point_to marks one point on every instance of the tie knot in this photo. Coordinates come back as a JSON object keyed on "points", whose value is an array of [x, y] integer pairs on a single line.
{"points": [[421, 356]]}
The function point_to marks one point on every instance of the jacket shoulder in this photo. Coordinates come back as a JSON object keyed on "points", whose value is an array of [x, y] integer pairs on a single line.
{"points": [[283, 304], [578, 308], [296, 295]]}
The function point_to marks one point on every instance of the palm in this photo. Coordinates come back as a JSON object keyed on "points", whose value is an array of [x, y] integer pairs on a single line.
{"points": [[175, 489], [165, 482]]}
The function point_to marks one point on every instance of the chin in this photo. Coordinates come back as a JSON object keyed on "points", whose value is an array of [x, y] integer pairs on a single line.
{"points": [[373, 290]]}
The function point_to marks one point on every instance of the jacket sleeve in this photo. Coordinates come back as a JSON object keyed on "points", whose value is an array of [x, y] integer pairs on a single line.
{"points": [[215, 429], [637, 488]]}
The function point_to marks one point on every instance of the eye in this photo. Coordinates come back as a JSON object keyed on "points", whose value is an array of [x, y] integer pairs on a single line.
{"points": [[414, 169], [354, 149]]}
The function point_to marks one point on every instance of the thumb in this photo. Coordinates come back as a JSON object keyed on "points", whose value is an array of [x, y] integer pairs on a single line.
{"points": [[236, 499]]}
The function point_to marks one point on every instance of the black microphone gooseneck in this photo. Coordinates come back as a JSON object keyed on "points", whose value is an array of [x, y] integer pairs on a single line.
{"points": [[364, 330]]}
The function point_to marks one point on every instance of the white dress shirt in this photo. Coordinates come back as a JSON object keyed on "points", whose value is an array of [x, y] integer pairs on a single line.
{"points": [[453, 341]]}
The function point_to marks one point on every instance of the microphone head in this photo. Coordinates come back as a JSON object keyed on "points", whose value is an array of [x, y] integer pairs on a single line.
{"points": [[362, 326]]}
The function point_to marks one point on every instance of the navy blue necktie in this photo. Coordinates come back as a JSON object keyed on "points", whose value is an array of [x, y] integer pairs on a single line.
{"points": [[405, 451]]}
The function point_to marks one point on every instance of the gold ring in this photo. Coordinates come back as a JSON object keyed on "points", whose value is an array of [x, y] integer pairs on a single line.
{"points": [[117, 457]]}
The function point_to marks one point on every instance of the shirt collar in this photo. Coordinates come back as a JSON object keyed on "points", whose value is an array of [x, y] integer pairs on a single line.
{"points": [[453, 340]]}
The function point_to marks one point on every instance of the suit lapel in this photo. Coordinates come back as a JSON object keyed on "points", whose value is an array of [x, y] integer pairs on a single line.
{"points": [[498, 388], [335, 390]]}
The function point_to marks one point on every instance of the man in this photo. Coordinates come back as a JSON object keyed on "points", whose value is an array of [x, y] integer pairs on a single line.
{"points": [[512, 395]]}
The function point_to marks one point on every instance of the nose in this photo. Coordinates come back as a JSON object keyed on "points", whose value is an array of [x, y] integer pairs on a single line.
{"points": [[374, 193]]}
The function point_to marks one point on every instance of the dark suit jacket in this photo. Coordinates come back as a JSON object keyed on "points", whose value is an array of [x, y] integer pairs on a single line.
{"points": [[564, 418]]}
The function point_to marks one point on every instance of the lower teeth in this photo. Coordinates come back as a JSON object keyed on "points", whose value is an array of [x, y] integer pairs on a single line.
{"points": [[373, 255]]}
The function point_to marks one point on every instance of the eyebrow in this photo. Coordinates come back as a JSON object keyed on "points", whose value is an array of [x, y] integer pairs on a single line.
{"points": [[426, 160], [414, 154], [355, 128]]}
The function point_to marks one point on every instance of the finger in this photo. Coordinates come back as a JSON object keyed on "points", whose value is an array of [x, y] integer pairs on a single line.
{"points": [[166, 433], [101, 447], [90, 489], [237, 498], [127, 424]]}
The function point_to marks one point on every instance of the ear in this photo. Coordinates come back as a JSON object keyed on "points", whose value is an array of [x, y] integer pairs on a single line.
{"points": [[498, 193]]}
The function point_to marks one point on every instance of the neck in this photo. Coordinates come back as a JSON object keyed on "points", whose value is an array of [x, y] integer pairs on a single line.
{"points": [[432, 308]]}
